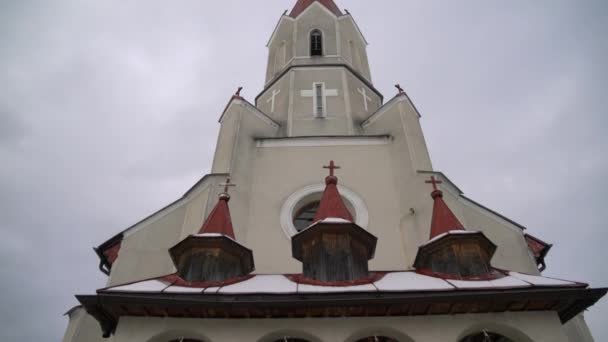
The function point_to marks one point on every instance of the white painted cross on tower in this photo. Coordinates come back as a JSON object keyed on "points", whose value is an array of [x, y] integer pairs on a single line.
{"points": [[366, 98], [272, 99], [319, 96]]}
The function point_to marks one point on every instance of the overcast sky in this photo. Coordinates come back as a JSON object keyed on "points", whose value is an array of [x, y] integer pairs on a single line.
{"points": [[109, 109]]}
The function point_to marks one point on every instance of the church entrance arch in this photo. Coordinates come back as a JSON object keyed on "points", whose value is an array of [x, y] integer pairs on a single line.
{"points": [[492, 332], [289, 336], [379, 335], [178, 336], [486, 336], [377, 339]]}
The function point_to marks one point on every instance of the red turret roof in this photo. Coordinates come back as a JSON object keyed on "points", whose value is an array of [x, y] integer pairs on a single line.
{"points": [[302, 5], [444, 219], [331, 205], [219, 221]]}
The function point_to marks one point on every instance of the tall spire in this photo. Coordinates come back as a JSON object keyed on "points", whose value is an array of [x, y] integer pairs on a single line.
{"points": [[331, 205], [302, 5], [443, 219], [219, 221]]}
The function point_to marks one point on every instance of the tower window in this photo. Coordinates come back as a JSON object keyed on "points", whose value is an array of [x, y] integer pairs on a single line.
{"points": [[316, 43], [319, 105]]}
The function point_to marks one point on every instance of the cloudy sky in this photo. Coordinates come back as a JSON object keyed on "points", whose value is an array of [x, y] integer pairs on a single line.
{"points": [[104, 103]]}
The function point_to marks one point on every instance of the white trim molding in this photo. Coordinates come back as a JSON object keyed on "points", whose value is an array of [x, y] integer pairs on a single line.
{"points": [[324, 141], [290, 205]]}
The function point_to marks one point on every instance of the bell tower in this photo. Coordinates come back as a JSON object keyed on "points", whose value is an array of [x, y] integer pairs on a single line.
{"points": [[318, 80]]}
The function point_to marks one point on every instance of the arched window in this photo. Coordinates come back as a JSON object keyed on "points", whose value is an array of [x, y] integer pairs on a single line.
{"points": [[486, 336], [377, 339], [305, 216], [316, 43]]}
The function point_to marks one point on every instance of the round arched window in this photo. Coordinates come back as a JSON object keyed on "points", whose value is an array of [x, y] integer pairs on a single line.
{"points": [[377, 339], [485, 336], [300, 208], [304, 217]]}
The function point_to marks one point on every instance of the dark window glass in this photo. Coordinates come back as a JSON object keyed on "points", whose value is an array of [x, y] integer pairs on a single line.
{"points": [[305, 216], [486, 337], [377, 339], [316, 43]]}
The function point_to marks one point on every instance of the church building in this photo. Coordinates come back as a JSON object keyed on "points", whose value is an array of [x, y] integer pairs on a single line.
{"points": [[323, 220]]}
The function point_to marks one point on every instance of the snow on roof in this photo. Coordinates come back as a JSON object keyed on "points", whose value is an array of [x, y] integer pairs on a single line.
{"points": [[146, 286], [262, 284], [406, 281], [305, 288], [501, 283], [543, 281], [451, 232], [411, 281]]}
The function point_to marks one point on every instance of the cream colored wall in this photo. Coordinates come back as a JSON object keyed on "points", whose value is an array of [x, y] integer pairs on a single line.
{"points": [[83, 328], [280, 171], [521, 327]]}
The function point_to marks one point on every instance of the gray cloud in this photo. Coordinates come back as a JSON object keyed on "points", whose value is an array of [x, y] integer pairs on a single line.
{"points": [[94, 94]]}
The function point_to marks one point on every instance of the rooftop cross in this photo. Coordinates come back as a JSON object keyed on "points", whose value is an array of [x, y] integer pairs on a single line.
{"points": [[332, 166], [227, 185], [434, 181], [398, 86]]}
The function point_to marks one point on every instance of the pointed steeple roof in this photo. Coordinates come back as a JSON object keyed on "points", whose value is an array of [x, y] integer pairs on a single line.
{"points": [[331, 205], [302, 5], [443, 220], [219, 221]]}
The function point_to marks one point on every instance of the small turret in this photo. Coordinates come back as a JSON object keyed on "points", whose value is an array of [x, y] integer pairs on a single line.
{"points": [[452, 251], [334, 248], [213, 255]]}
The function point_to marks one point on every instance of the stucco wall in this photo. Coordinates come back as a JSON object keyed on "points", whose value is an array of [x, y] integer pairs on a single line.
{"points": [[521, 327]]}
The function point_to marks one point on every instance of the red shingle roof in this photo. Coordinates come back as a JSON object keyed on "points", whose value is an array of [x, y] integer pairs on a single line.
{"points": [[444, 219], [219, 221], [302, 5], [331, 205]]}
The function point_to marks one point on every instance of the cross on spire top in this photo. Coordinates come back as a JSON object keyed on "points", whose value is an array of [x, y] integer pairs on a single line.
{"points": [[332, 167], [398, 86], [434, 181], [227, 185]]}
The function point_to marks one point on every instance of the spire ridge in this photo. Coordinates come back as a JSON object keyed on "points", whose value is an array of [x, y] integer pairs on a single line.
{"points": [[219, 220], [443, 220], [331, 203], [302, 5]]}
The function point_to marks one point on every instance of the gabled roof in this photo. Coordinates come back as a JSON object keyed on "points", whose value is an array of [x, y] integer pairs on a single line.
{"points": [[302, 5]]}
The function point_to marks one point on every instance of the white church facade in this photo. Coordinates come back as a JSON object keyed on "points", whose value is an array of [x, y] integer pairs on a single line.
{"points": [[323, 220]]}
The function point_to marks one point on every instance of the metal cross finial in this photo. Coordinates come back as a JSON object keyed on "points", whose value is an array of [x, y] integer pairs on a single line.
{"points": [[434, 181], [332, 166], [398, 86], [227, 185], [238, 92]]}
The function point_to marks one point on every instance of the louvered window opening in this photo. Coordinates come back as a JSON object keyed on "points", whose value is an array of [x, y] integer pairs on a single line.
{"points": [[319, 109], [211, 265], [316, 43]]}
